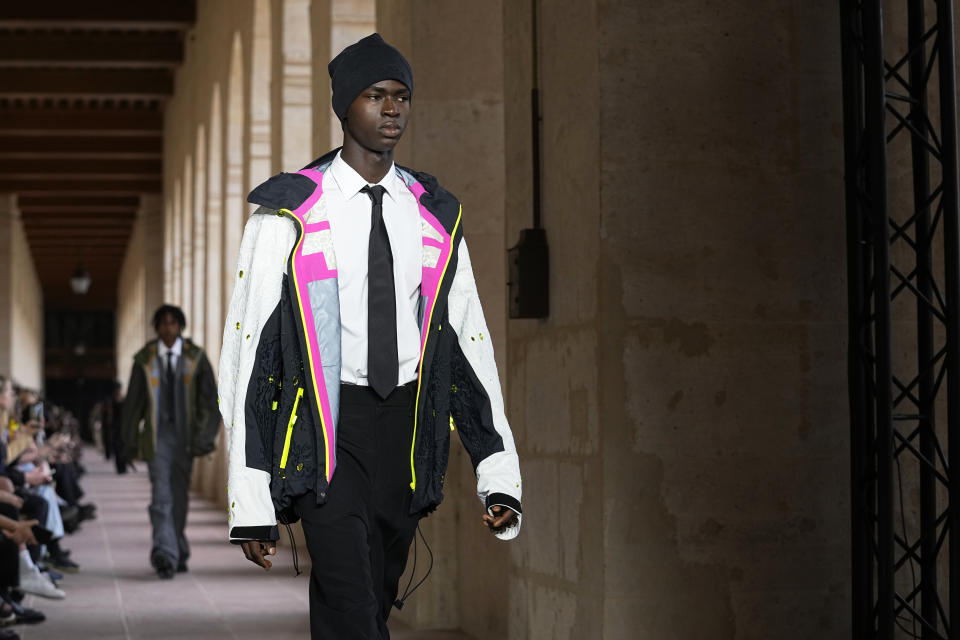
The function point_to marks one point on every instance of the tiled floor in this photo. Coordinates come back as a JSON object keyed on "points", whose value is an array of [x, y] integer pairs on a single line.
{"points": [[117, 596]]}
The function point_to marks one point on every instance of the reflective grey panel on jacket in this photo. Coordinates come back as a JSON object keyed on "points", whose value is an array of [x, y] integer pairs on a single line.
{"points": [[325, 302]]}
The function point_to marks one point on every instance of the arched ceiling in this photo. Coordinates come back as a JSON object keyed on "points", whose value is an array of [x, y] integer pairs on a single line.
{"points": [[82, 91]]}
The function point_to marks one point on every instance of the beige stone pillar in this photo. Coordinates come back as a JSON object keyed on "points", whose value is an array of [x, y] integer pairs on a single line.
{"points": [[21, 301], [8, 213], [199, 232], [235, 207], [214, 230], [140, 284], [186, 241], [167, 290], [176, 288], [260, 95], [296, 86], [350, 20], [151, 220]]}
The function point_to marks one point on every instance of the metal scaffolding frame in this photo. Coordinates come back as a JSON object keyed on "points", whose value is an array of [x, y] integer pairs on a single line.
{"points": [[903, 247]]}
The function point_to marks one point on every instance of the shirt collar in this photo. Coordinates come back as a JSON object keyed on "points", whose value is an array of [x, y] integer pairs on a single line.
{"points": [[176, 349], [350, 182]]}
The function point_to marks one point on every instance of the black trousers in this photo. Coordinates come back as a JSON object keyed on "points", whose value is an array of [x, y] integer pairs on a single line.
{"points": [[358, 540], [9, 552]]}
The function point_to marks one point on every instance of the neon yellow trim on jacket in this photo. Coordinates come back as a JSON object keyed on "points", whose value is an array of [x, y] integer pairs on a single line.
{"points": [[303, 321], [423, 349], [293, 419]]}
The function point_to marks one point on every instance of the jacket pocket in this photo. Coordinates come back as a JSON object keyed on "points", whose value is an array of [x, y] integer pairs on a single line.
{"points": [[286, 441]]}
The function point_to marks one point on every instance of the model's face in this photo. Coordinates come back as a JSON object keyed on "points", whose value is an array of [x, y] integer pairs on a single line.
{"points": [[168, 329], [378, 116]]}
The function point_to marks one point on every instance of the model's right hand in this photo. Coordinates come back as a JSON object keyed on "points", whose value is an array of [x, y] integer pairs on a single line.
{"points": [[256, 552]]}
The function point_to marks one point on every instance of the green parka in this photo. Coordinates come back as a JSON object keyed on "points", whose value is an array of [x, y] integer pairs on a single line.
{"points": [[140, 406]]}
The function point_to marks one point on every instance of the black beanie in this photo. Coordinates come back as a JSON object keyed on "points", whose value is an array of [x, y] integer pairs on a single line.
{"points": [[362, 64]]}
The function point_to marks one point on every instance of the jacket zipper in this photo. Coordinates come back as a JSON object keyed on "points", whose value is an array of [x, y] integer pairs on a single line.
{"points": [[290, 423], [426, 339], [296, 284]]}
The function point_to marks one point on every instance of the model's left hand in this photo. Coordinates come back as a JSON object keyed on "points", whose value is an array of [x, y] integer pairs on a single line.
{"points": [[502, 518]]}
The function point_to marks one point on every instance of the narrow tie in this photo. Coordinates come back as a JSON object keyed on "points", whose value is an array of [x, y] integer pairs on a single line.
{"points": [[382, 360], [168, 390]]}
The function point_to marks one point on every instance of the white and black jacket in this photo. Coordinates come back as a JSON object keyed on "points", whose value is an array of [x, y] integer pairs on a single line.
{"points": [[280, 362]]}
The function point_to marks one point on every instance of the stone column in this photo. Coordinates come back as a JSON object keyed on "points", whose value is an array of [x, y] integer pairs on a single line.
{"points": [[150, 217], [8, 213], [296, 89]]}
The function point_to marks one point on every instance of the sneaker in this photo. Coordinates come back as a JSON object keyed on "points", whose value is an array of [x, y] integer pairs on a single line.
{"points": [[9, 634], [25, 615], [54, 576], [32, 581], [61, 562], [182, 567]]}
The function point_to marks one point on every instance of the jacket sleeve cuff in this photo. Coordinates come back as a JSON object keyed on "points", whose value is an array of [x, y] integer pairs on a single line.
{"points": [[502, 500], [239, 535]]}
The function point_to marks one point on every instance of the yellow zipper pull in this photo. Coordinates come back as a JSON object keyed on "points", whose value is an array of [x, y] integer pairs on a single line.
{"points": [[286, 442]]}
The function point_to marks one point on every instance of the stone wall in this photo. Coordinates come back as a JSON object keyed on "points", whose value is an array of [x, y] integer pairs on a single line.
{"points": [[681, 413], [21, 299], [140, 285]]}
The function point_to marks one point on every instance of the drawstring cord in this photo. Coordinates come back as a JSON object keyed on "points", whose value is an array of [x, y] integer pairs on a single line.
{"points": [[407, 592], [293, 547]]}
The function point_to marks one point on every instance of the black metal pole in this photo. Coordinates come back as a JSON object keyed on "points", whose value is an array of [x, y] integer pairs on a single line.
{"points": [[876, 182], [951, 250], [860, 539], [924, 270]]}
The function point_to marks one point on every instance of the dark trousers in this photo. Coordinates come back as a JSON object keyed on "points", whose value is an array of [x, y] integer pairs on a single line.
{"points": [[68, 487], [9, 552], [170, 472], [358, 540]]}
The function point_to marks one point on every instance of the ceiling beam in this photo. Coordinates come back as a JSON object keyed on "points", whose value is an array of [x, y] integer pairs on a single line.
{"points": [[88, 187], [43, 231], [132, 84], [98, 14], [36, 219], [73, 147], [103, 256], [142, 50], [80, 121], [90, 216], [44, 168], [77, 203], [53, 259]]}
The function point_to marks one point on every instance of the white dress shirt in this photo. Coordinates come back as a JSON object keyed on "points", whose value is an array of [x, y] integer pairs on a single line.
{"points": [[349, 212], [175, 351]]}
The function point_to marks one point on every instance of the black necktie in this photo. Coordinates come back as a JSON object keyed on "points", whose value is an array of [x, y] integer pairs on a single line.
{"points": [[168, 392], [382, 366]]}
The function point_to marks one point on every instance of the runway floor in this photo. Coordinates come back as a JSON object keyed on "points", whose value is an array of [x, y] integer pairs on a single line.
{"points": [[117, 596]]}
